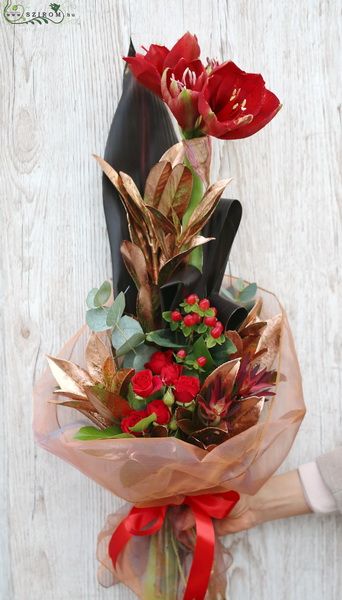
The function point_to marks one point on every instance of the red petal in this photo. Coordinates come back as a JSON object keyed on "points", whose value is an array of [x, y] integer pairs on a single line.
{"points": [[187, 47], [156, 55], [270, 107], [145, 72]]}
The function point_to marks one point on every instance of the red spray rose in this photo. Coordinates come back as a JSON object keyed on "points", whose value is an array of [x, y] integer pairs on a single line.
{"points": [[132, 420], [186, 389], [148, 68], [158, 407], [144, 383], [235, 104], [159, 360], [171, 373]]}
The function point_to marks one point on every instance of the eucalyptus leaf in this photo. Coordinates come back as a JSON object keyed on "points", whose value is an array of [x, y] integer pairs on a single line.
{"points": [[144, 423], [248, 293], [164, 338], [96, 319], [137, 360], [131, 343], [124, 330], [92, 433], [116, 310], [103, 294], [90, 298]]}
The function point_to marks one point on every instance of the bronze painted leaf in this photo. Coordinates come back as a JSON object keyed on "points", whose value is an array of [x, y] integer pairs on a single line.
{"points": [[70, 377], [162, 221], [118, 406], [270, 340], [247, 415], [96, 354], [177, 192], [175, 155], [253, 314], [198, 153], [112, 175], [135, 263], [172, 265], [148, 307], [121, 381], [227, 374], [156, 182], [204, 210], [159, 431], [109, 372], [98, 397], [209, 437]]}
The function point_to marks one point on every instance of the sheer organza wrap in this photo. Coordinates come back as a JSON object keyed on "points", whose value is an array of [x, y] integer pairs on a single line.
{"points": [[151, 471]]}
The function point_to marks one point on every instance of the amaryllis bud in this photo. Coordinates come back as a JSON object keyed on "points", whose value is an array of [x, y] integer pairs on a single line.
{"points": [[168, 397]]}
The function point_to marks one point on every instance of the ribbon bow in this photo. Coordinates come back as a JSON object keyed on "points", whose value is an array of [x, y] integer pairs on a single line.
{"points": [[147, 521]]}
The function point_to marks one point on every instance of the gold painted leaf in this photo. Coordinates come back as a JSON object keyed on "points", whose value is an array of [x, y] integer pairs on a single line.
{"points": [[156, 182], [227, 374], [109, 372], [98, 397], [96, 354], [112, 175], [70, 377], [253, 314], [175, 155], [121, 381], [247, 415], [198, 153], [270, 341]]}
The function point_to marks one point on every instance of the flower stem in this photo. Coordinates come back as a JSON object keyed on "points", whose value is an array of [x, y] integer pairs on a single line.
{"points": [[196, 256]]}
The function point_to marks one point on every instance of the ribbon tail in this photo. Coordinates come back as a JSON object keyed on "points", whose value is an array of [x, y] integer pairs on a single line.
{"points": [[203, 558], [119, 540]]}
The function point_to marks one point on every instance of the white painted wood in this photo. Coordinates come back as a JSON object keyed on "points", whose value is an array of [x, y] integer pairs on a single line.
{"points": [[59, 86]]}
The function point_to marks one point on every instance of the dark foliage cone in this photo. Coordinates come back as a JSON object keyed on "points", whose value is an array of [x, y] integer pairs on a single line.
{"points": [[140, 133]]}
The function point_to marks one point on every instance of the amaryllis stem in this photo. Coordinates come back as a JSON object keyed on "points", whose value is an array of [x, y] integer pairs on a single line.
{"points": [[196, 256]]}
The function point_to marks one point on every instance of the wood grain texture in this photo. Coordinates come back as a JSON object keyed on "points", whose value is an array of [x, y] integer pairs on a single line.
{"points": [[59, 86]]}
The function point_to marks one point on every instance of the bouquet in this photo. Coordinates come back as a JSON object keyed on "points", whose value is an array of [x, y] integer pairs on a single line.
{"points": [[183, 390]]}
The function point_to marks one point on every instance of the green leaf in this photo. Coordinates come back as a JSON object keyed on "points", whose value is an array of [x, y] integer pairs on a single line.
{"points": [[92, 433], [248, 293], [239, 284], [96, 319], [124, 330], [186, 331], [90, 298], [221, 354], [200, 349], [135, 401], [167, 316], [210, 342], [164, 338], [136, 360], [174, 326], [131, 343], [144, 423], [202, 328], [116, 310], [103, 294]]}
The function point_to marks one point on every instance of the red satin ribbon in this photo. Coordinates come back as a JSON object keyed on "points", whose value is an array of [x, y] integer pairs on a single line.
{"points": [[146, 521]]}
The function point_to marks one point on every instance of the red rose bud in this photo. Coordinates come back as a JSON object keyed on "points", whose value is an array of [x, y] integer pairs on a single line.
{"points": [[158, 407], [144, 383], [176, 316], [235, 104], [210, 321], [181, 354], [168, 398], [192, 299], [132, 420], [190, 320], [204, 304], [186, 389], [201, 361], [158, 360], [170, 373]]}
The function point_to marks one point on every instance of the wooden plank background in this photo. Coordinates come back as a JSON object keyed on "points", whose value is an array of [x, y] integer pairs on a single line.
{"points": [[59, 86]]}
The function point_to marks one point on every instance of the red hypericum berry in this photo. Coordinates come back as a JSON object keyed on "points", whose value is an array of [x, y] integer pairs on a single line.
{"points": [[197, 318], [219, 324], [210, 321], [176, 316], [204, 304], [215, 310], [192, 299], [181, 354], [216, 332], [190, 320], [201, 361]]}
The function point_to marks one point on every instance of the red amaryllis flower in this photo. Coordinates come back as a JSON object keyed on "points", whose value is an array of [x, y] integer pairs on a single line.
{"points": [[235, 104], [180, 88], [161, 410], [148, 68], [144, 383]]}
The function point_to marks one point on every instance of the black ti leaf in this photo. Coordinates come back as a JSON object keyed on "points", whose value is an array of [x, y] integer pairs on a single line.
{"points": [[223, 226], [140, 133]]}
